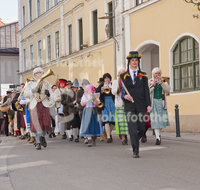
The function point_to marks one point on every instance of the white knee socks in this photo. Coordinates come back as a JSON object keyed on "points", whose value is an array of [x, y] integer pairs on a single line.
{"points": [[157, 133], [108, 130]]}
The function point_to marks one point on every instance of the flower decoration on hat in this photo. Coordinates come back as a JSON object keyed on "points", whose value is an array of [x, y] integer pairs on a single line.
{"points": [[134, 54]]}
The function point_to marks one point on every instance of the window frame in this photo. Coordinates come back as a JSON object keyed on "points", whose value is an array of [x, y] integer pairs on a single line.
{"points": [[48, 58], [39, 61], [30, 4], [31, 56], [186, 63], [24, 59], [38, 8], [56, 2], [46, 5], [23, 16], [79, 34], [55, 50], [92, 38], [70, 41]]}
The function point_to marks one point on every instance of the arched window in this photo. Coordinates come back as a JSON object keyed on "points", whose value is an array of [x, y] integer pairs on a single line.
{"points": [[186, 65]]}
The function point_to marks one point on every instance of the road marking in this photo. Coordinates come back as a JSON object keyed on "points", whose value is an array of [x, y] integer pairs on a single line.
{"points": [[1, 147], [25, 165], [8, 156], [149, 148], [169, 189]]}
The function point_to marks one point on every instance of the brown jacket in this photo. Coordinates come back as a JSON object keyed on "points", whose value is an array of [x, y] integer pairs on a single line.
{"points": [[79, 96], [67, 100]]}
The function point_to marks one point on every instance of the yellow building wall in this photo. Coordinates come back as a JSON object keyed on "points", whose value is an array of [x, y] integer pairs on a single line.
{"points": [[101, 57], [163, 22], [91, 66]]}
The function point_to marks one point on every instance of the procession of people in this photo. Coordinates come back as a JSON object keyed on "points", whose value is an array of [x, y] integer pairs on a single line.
{"points": [[77, 110]]}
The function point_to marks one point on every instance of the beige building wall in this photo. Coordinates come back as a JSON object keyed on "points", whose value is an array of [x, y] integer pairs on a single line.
{"points": [[163, 23]]}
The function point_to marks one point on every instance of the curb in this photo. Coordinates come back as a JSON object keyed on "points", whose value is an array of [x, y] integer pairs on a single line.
{"points": [[177, 139]]}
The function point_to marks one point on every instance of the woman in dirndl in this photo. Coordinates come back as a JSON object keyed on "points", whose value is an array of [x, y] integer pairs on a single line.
{"points": [[121, 125], [90, 124], [158, 90], [108, 112]]}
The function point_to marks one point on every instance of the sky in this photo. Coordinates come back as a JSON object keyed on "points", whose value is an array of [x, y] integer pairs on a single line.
{"points": [[9, 10]]}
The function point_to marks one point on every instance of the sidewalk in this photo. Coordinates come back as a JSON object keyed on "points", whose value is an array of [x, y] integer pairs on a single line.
{"points": [[185, 137]]}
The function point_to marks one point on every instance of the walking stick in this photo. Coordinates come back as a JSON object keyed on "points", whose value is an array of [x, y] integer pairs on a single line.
{"points": [[126, 90]]}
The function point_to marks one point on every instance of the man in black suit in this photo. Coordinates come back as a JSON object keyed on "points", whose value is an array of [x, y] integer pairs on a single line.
{"points": [[137, 101]]}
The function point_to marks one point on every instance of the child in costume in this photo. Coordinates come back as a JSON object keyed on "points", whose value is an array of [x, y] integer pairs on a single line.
{"points": [[90, 124]]}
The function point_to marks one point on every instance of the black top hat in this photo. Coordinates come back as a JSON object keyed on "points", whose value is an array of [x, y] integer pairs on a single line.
{"points": [[107, 75], [134, 54]]}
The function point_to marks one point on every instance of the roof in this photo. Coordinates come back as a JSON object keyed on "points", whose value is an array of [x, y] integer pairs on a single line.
{"points": [[3, 24]]}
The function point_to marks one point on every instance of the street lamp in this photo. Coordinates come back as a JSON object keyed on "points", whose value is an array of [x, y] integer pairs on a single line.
{"points": [[195, 2]]}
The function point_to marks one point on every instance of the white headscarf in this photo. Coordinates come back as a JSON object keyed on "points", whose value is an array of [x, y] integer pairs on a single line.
{"points": [[38, 69]]}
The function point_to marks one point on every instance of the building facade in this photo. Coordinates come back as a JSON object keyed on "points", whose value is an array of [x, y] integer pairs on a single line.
{"points": [[166, 32], [9, 55], [87, 38], [68, 37]]}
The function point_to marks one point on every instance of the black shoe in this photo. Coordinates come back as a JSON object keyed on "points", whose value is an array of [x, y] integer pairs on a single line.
{"points": [[54, 135], [157, 142], [76, 140], [144, 139], [109, 140], [135, 155], [43, 142], [50, 136], [71, 138], [29, 138], [38, 146], [64, 136], [124, 142], [23, 137]]}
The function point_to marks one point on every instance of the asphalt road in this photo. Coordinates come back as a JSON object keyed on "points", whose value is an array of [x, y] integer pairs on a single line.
{"points": [[65, 165]]}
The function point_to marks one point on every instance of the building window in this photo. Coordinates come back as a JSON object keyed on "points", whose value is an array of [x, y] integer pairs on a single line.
{"points": [[70, 38], [47, 5], [40, 52], [23, 16], [57, 53], [55, 2], [30, 10], [24, 59], [110, 13], [95, 27], [186, 65], [31, 56], [80, 27], [138, 2], [48, 48], [38, 8]]}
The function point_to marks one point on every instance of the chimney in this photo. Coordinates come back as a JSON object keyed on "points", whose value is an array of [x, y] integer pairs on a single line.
{"points": [[1, 23]]}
